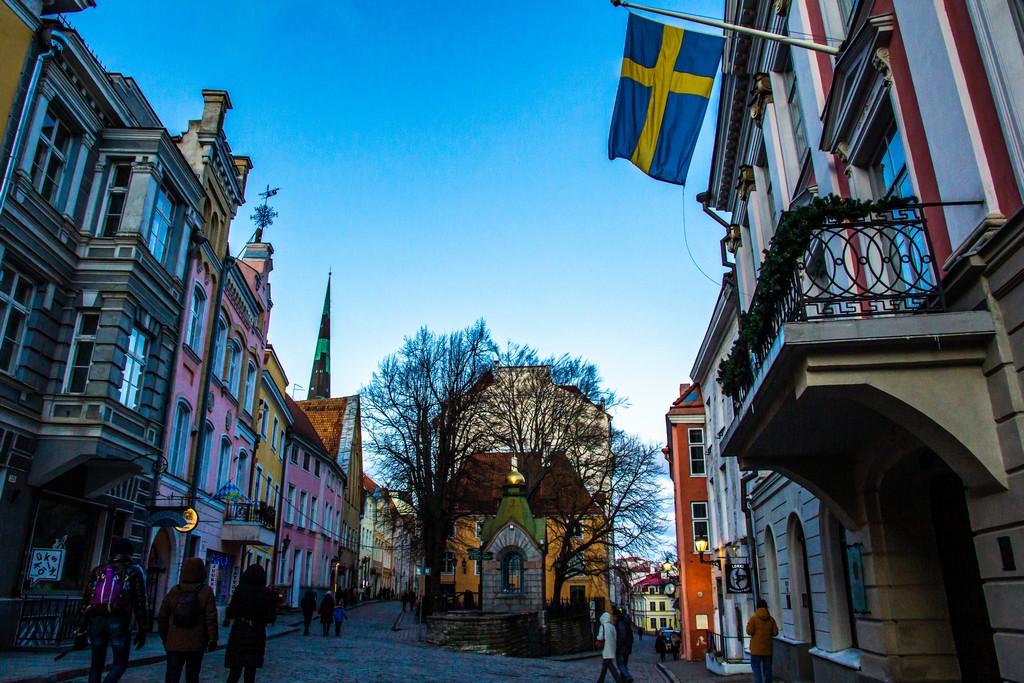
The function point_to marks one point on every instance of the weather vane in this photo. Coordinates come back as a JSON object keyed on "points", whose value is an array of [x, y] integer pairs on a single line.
{"points": [[264, 215]]}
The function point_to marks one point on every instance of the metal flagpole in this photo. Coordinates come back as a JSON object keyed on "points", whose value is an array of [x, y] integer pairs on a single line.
{"points": [[795, 42]]}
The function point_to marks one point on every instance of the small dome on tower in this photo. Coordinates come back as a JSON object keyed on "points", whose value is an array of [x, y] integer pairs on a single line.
{"points": [[515, 478]]}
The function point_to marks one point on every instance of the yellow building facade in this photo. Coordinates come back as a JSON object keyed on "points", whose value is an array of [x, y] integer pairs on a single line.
{"points": [[273, 422]]}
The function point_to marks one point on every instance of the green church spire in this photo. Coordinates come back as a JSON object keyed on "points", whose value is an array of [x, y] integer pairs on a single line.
{"points": [[320, 378]]}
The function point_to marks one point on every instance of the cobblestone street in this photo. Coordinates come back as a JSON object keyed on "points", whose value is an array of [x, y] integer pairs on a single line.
{"points": [[368, 651]]}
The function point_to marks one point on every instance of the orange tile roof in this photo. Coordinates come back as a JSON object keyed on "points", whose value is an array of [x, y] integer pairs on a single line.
{"points": [[302, 426], [369, 484], [327, 416]]}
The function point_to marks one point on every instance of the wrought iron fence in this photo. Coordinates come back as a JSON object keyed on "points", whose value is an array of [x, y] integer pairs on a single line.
{"points": [[727, 649], [48, 620], [566, 608], [881, 265], [260, 513]]}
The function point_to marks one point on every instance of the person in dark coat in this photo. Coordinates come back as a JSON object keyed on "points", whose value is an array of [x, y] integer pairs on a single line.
{"points": [[623, 643], [327, 612], [308, 606], [660, 646], [252, 607], [191, 600]]}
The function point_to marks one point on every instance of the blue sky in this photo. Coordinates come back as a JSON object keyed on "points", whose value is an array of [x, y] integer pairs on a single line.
{"points": [[449, 162]]}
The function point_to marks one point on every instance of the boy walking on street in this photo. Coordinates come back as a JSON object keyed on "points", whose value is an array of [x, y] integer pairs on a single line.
{"points": [[188, 622], [114, 592]]}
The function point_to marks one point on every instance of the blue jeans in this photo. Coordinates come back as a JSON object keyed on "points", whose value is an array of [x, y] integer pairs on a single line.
{"points": [[762, 666], [116, 633], [622, 661]]}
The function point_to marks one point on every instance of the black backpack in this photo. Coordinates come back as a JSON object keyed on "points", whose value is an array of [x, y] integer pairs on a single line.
{"points": [[187, 610]]}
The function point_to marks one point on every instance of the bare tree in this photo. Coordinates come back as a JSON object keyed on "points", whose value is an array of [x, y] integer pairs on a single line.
{"points": [[589, 527], [419, 410]]}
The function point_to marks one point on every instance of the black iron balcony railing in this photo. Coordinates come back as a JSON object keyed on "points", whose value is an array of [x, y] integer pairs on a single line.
{"points": [[259, 513], [881, 264]]}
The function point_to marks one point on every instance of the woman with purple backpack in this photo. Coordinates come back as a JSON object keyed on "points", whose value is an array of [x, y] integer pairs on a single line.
{"points": [[188, 622]]}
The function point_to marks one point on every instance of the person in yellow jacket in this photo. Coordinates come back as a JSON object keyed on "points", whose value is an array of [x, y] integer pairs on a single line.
{"points": [[761, 628]]}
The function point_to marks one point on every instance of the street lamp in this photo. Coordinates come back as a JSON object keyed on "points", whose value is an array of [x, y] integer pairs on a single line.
{"points": [[666, 566], [700, 544]]}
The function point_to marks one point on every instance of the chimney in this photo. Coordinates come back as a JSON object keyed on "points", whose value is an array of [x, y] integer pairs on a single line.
{"points": [[215, 105]]}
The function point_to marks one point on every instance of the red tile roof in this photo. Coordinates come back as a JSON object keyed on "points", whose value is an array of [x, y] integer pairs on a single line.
{"points": [[369, 484], [483, 477]]}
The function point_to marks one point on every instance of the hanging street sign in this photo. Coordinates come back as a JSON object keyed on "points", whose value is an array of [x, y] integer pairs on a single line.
{"points": [[738, 578]]}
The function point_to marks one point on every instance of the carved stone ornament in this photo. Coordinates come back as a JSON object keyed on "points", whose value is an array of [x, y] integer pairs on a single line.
{"points": [[881, 63], [734, 239], [760, 97], [745, 184], [842, 153], [781, 7]]}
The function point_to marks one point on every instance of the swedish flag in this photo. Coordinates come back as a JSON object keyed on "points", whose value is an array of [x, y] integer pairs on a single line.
{"points": [[667, 77]]}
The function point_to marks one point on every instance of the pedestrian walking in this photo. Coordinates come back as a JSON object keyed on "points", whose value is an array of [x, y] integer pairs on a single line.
{"points": [[674, 643], [761, 628], [114, 592], [252, 607], [308, 607], [405, 600], [606, 641], [327, 612], [640, 633], [660, 646], [187, 622], [623, 643], [339, 615], [468, 599]]}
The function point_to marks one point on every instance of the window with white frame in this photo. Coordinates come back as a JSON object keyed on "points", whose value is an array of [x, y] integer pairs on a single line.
{"points": [[699, 521], [695, 435], [316, 469], [160, 225], [796, 113], [257, 487], [223, 462], [196, 319], [117, 195], [180, 439], [135, 363], [289, 515], [312, 512], [219, 345], [293, 455], [280, 441], [80, 360], [234, 365], [478, 526], [264, 418], [273, 436], [449, 562], [203, 466], [303, 509], [250, 386], [15, 305], [52, 155], [890, 168], [269, 495]]}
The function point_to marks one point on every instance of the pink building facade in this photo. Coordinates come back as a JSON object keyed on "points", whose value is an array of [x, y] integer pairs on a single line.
{"points": [[211, 433], [312, 509]]}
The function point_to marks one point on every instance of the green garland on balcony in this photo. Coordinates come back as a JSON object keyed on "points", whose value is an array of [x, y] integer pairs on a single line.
{"points": [[788, 246]]}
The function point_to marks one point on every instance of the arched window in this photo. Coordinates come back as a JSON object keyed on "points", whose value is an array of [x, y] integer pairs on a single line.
{"points": [[512, 573], [242, 473], [234, 365], [196, 319], [180, 439], [223, 462], [219, 343], [771, 559], [205, 446], [250, 386]]}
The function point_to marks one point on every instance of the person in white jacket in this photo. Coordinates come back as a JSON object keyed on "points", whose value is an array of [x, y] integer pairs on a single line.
{"points": [[607, 634]]}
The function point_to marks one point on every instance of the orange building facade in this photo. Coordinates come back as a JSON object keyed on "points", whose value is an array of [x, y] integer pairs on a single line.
{"points": [[687, 442]]}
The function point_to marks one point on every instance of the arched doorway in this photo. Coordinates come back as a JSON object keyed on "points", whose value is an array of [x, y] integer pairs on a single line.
{"points": [[799, 582], [161, 552], [771, 557], [926, 557]]}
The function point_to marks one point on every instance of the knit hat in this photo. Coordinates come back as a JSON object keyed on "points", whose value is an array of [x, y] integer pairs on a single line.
{"points": [[122, 546]]}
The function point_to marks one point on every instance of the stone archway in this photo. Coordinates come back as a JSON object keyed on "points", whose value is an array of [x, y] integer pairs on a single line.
{"points": [[928, 599]]}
